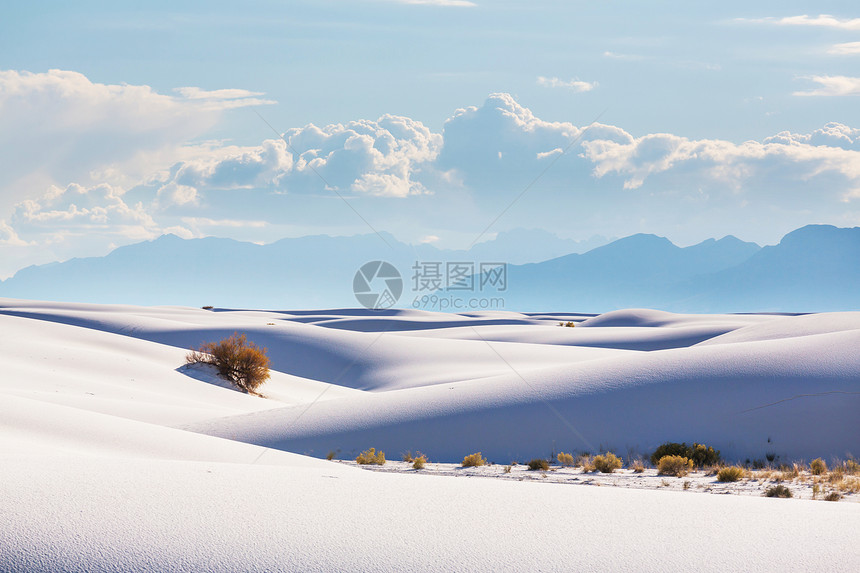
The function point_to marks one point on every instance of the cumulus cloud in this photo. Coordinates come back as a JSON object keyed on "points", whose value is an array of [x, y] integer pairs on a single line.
{"points": [[377, 158], [58, 126], [845, 49], [778, 161], [833, 86], [573, 85], [822, 20]]}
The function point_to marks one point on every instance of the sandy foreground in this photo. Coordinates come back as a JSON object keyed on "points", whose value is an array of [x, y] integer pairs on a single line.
{"points": [[117, 457]]}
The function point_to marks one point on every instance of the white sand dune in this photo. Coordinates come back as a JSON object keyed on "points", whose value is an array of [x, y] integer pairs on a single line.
{"points": [[101, 472]]}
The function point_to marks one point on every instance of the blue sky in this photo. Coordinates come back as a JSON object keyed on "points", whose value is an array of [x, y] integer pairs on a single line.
{"points": [[120, 123]]}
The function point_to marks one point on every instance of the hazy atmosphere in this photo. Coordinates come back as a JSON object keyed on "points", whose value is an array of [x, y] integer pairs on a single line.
{"points": [[425, 119]]}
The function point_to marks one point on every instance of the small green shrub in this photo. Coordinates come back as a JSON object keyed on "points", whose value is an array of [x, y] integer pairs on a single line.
{"points": [[473, 460], [818, 467], [371, 457], [419, 461], [538, 464], [607, 463], [699, 454], [566, 459], [778, 491], [677, 466], [729, 474], [238, 360]]}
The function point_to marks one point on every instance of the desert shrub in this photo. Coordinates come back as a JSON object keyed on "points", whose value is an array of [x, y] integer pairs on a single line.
{"points": [[607, 463], [817, 466], [565, 459], [507, 469], [238, 360], [699, 454], [538, 464], [638, 467], [371, 457], [330, 456], [419, 461], [677, 466], [832, 496], [408, 457], [569, 324], [852, 467], [729, 474], [778, 491], [207, 307], [473, 460], [587, 464]]}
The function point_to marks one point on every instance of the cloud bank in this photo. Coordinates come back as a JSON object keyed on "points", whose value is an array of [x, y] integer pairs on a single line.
{"points": [[400, 172]]}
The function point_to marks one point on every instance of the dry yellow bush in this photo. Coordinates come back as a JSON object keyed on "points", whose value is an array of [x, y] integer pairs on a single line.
{"points": [[677, 466], [371, 457], [473, 460], [607, 463]]}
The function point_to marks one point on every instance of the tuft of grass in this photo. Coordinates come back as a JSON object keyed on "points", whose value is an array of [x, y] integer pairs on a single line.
{"points": [[730, 474], [638, 467], [607, 463], [538, 464], [407, 457], [419, 461], [817, 467], [371, 457], [507, 469], [566, 459], [473, 460], [330, 455], [778, 491], [677, 466]]}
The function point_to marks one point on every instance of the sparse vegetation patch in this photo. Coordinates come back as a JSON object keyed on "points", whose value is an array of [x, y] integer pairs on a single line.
{"points": [[473, 460], [607, 463], [371, 457], [237, 359], [677, 466]]}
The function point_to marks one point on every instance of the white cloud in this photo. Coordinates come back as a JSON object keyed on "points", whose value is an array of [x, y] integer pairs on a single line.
{"points": [[845, 49], [831, 135], [574, 84], [365, 157], [58, 126], [781, 161], [833, 86], [822, 20]]}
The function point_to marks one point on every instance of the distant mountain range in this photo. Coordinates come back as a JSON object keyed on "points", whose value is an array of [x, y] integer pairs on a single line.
{"points": [[815, 268]]}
